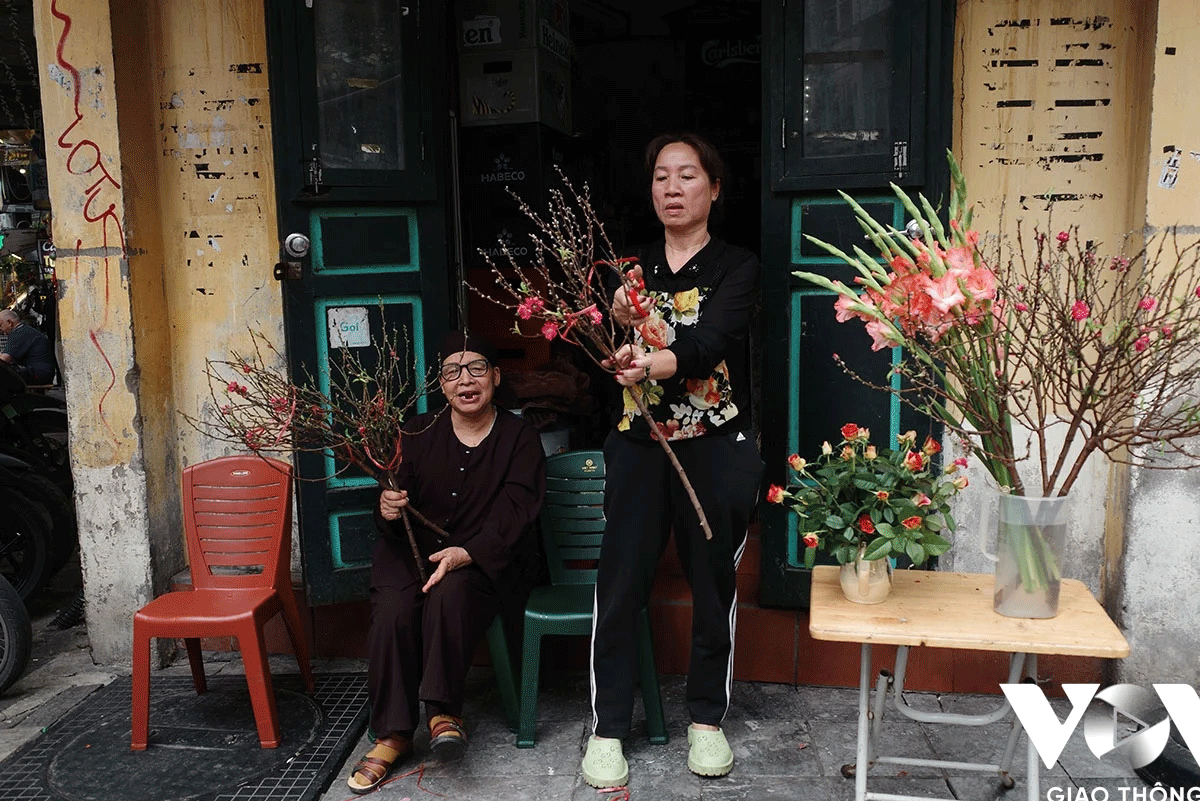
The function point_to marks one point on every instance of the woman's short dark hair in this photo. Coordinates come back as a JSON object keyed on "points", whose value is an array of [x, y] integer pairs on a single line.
{"points": [[710, 159]]}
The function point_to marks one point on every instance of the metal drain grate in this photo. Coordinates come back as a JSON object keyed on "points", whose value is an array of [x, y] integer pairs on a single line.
{"points": [[40, 771]]}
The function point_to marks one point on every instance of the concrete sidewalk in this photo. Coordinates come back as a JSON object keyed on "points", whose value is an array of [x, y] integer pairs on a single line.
{"points": [[790, 742]]}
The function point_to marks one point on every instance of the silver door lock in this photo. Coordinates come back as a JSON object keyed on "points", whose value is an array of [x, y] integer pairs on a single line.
{"points": [[296, 246]]}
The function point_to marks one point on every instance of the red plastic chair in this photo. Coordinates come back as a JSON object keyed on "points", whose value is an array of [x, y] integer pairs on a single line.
{"points": [[238, 520]]}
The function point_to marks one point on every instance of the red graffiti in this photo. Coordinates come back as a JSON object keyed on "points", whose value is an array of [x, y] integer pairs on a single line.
{"points": [[84, 157]]}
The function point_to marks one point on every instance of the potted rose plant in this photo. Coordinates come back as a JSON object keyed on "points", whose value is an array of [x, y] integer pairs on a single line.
{"points": [[864, 505]]}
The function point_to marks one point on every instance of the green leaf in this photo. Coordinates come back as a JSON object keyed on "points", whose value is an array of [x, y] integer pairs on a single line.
{"points": [[915, 552], [834, 522], [878, 549], [935, 545], [886, 530], [810, 557]]}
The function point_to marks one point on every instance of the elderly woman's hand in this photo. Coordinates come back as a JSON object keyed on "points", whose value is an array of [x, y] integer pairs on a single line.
{"points": [[446, 560], [391, 502]]}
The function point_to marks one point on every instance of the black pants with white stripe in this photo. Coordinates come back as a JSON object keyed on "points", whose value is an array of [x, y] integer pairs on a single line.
{"points": [[643, 500]]}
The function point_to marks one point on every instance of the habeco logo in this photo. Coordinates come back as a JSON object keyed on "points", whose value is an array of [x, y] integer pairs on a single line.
{"points": [[1135, 704], [723, 52], [505, 243], [503, 172], [483, 30]]}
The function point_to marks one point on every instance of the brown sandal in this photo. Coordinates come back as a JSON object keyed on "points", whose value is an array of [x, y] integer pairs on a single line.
{"points": [[376, 769], [448, 738]]}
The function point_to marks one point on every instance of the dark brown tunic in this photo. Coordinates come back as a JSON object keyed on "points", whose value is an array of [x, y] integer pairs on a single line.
{"points": [[485, 497]]}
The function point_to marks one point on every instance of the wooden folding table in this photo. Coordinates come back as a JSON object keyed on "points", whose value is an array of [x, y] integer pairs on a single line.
{"points": [[951, 610]]}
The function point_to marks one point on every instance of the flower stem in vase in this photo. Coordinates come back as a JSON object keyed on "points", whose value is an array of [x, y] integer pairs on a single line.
{"points": [[635, 392]]}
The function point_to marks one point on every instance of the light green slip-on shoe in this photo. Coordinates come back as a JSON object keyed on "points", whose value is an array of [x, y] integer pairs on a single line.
{"points": [[709, 754], [604, 764]]}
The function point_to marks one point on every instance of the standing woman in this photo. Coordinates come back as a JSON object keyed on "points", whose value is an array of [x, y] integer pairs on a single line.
{"points": [[691, 363]]}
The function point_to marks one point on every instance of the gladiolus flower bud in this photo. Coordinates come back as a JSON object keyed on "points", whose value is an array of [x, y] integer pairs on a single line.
{"points": [[847, 453], [960, 482], [797, 463], [930, 447], [811, 541], [826, 448], [921, 499], [777, 494], [871, 453]]}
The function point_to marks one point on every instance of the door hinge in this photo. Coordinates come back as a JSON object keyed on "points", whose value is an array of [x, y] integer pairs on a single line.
{"points": [[315, 170], [783, 133]]}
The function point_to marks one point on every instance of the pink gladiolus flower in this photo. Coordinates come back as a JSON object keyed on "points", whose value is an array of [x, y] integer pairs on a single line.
{"points": [[1080, 310], [1147, 303], [945, 293], [1141, 343], [881, 335], [921, 500], [550, 330]]}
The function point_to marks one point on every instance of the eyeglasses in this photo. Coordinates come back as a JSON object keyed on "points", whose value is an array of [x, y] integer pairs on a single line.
{"points": [[477, 368]]}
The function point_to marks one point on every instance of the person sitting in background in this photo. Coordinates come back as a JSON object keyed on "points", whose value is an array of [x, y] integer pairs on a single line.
{"points": [[478, 472], [27, 349]]}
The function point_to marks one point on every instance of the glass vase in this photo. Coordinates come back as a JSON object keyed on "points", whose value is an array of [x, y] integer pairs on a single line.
{"points": [[1031, 537]]}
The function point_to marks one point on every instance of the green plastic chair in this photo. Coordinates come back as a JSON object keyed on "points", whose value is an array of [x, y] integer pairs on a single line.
{"points": [[572, 523]]}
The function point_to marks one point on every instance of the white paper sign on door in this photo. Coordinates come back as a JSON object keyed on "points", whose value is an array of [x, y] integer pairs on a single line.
{"points": [[348, 327]]}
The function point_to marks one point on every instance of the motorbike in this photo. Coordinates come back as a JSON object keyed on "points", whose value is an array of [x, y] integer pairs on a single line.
{"points": [[16, 635], [38, 532]]}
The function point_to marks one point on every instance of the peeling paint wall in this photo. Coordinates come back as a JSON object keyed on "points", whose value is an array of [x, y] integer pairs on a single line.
{"points": [[159, 156], [1158, 604], [216, 193], [87, 192]]}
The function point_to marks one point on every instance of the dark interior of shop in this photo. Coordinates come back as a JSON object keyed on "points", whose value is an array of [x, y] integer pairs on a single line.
{"points": [[637, 68]]}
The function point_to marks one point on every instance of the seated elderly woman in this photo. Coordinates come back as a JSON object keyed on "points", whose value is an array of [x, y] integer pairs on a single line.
{"points": [[479, 473]]}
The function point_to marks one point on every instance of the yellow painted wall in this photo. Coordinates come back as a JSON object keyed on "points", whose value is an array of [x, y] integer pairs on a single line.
{"points": [[1050, 105], [159, 158], [216, 191]]}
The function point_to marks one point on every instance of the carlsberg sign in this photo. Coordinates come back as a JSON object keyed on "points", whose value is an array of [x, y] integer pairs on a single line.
{"points": [[1139, 705]]}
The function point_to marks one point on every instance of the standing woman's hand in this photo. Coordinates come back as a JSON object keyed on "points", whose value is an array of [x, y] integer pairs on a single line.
{"points": [[624, 308]]}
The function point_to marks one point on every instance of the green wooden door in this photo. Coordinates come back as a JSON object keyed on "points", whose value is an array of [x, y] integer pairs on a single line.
{"points": [[358, 115], [856, 98]]}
